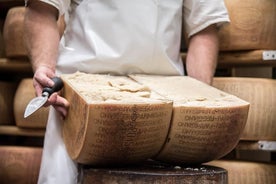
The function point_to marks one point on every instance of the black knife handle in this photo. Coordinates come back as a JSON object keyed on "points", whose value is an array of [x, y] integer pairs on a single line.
{"points": [[57, 86]]}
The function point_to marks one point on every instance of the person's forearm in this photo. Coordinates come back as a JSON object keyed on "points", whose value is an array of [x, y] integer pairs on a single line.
{"points": [[42, 35], [202, 55]]}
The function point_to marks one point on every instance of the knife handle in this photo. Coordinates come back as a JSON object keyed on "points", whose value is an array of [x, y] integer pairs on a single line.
{"points": [[57, 86]]}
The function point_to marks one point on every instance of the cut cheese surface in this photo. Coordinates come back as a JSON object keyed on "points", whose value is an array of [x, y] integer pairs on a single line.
{"points": [[128, 119], [186, 91], [110, 89]]}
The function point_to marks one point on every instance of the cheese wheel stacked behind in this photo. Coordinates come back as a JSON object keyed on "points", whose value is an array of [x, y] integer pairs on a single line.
{"points": [[247, 172], [252, 26], [19, 164], [24, 94], [7, 93], [13, 32], [260, 93]]}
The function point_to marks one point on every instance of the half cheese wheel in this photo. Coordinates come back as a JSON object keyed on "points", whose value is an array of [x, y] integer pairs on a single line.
{"points": [[262, 97], [113, 120], [24, 94], [247, 172], [206, 122], [19, 164]]}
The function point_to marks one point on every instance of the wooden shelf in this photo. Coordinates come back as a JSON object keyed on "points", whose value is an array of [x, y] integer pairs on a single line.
{"points": [[15, 66], [17, 131], [241, 58], [5, 5], [257, 145]]}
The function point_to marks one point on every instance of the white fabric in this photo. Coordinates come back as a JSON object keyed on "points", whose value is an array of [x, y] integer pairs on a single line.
{"points": [[56, 166], [199, 14], [119, 37], [122, 36]]}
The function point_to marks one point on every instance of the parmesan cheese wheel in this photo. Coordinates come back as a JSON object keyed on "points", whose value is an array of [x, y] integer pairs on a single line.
{"points": [[261, 94], [24, 94], [13, 33], [113, 120], [7, 93], [247, 172], [19, 164], [2, 50], [252, 26], [153, 173], [206, 122]]}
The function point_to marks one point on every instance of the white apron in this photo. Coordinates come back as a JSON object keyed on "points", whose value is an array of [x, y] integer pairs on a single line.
{"points": [[118, 37]]}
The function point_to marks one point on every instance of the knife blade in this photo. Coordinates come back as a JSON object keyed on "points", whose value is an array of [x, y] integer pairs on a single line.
{"points": [[37, 102]]}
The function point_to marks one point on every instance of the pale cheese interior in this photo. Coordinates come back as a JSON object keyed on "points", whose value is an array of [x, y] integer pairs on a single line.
{"points": [[186, 91], [98, 88], [182, 90]]}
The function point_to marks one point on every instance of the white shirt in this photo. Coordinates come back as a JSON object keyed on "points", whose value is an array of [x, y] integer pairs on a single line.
{"points": [[137, 36]]}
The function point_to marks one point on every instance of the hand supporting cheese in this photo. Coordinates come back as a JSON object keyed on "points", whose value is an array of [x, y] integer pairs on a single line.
{"points": [[119, 119]]}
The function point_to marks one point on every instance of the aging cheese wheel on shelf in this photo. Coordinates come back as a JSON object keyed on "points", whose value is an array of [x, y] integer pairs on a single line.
{"points": [[115, 119], [252, 25], [19, 164], [13, 32], [7, 92], [261, 94], [2, 50], [247, 172], [24, 94], [206, 122], [153, 173]]}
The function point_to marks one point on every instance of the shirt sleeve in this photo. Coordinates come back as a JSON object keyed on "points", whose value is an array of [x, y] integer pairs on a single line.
{"points": [[61, 5], [199, 14]]}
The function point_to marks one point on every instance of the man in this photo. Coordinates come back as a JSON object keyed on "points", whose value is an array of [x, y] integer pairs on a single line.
{"points": [[117, 37]]}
